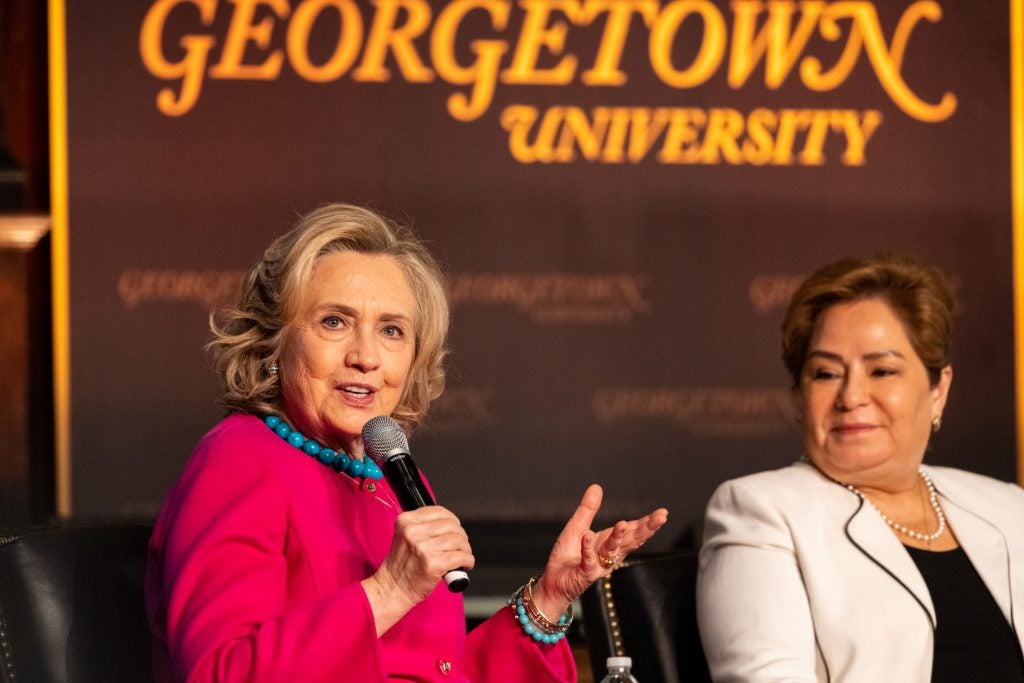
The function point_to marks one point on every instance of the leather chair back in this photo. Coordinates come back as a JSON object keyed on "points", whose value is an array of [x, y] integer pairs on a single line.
{"points": [[71, 604], [646, 609]]}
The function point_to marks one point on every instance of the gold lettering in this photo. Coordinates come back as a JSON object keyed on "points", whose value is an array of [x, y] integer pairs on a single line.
{"points": [[887, 63], [349, 41], [536, 34], [688, 135], [811, 70], [774, 38], [385, 36], [577, 129], [767, 32], [241, 32], [518, 120], [790, 122], [662, 40], [615, 140], [682, 140], [645, 130], [757, 148], [483, 74], [725, 126], [189, 69], [632, 132], [812, 154], [857, 132], [609, 53]]}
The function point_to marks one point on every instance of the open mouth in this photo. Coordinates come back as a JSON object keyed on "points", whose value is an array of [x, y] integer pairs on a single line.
{"points": [[357, 391]]}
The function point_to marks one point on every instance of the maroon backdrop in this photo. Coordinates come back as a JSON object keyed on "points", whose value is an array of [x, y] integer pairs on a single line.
{"points": [[624, 193]]}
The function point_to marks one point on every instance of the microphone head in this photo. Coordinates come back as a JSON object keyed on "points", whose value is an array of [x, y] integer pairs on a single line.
{"points": [[382, 437]]}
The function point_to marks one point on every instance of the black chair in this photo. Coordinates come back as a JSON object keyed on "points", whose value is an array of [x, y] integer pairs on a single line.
{"points": [[71, 604], [646, 609]]}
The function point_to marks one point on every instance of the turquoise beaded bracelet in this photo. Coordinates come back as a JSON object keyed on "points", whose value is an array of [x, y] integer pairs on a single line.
{"points": [[533, 621]]}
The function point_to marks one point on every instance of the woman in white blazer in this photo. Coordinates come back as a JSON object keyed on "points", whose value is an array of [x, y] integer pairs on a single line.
{"points": [[859, 564]]}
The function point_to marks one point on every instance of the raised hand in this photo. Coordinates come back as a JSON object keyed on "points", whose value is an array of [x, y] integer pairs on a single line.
{"points": [[580, 556]]}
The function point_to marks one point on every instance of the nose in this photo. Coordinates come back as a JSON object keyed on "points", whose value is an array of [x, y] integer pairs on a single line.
{"points": [[852, 392], [363, 353]]}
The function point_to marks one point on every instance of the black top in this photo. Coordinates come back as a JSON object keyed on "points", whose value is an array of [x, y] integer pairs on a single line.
{"points": [[973, 640]]}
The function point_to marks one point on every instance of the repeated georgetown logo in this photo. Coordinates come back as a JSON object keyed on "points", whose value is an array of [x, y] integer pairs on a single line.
{"points": [[478, 45], [552, 298], [769, 292], [546, 298], [209, 288], [703, 411]]}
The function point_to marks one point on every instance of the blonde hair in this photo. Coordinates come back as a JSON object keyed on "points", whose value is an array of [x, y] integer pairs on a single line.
{"points": [[249, 337], [919, 294]]}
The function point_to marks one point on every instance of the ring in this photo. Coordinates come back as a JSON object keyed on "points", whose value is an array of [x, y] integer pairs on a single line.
{"points": [[608, 561]]}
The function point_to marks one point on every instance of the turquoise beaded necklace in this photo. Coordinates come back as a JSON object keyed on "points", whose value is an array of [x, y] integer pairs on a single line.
{"points": [[339, 462]]}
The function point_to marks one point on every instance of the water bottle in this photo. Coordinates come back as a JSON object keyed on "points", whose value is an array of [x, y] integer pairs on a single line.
{"points": [[618, 670]]}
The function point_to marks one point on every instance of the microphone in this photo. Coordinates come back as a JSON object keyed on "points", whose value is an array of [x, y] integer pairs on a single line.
{"points": [[386, 444]]}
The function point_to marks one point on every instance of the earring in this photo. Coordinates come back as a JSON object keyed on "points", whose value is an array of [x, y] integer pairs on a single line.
{"points": [[936, 423], [273, 369]]}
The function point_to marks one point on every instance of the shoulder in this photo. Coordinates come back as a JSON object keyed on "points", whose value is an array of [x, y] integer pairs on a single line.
{"points": [[793, 482], [239, 452], [973, 489], [237, 432], [238, 441], [771, 508], [792, 500]]}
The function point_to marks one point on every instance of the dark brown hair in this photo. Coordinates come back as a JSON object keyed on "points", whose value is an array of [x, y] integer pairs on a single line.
{"points": [[919, 294]]}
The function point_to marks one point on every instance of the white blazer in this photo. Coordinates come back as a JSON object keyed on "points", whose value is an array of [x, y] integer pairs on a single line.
{"points": [[801, 581]]}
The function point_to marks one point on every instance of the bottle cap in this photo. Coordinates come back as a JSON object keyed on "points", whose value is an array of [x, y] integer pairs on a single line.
{"points": [[619, 661]]}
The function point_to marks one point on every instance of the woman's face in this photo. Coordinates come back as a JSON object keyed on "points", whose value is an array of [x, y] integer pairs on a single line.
{"points": [[349, 349], [866, 401]]}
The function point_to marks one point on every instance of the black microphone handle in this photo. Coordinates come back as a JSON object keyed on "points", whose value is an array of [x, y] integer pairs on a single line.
{"points": [[404, 478]]}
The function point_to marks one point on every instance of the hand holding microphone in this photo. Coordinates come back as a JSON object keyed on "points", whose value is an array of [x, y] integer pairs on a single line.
{"points": [[386, 443]]}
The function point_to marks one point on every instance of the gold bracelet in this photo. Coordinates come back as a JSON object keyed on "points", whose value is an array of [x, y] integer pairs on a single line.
{"points": [[538, 617], [532, 621]]}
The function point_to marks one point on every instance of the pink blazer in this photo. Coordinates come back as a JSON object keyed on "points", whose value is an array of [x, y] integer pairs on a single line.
{"points": [[254, 571]]}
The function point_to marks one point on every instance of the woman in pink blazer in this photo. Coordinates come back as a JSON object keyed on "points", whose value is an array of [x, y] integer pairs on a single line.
{"points": [[282, 554]]}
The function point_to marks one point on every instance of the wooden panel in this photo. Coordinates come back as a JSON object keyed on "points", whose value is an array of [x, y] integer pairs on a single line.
{"points": [[26, 394]]}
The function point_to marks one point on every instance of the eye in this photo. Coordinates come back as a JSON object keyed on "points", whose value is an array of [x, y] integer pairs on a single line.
{"points": [[823, 374], [884, 372], [393, 331], [332, 322]]}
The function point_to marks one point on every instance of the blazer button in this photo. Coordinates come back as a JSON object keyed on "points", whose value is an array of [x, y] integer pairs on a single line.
{"points": [[444, 667]]}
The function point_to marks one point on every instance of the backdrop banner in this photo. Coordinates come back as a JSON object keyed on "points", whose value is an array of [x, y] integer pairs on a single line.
{"points": [[624, 194]]}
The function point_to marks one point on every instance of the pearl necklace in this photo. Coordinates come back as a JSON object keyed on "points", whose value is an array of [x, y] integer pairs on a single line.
{"points": [[339, 462], [933, 498]]}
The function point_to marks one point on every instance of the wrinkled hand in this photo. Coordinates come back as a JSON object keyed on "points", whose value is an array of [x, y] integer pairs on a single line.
{"points": [[428, 543], [575, 560]]}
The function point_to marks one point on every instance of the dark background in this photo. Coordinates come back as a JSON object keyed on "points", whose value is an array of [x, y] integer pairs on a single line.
{"points": [[548, 391]]}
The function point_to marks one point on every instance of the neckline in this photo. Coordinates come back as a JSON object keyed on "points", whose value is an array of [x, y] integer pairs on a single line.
{"points": [[933, 500], [931, 553]]}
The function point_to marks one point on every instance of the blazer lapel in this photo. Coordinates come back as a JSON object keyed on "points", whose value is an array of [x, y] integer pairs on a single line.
{"points": [[874, 538], [984, 544]]}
